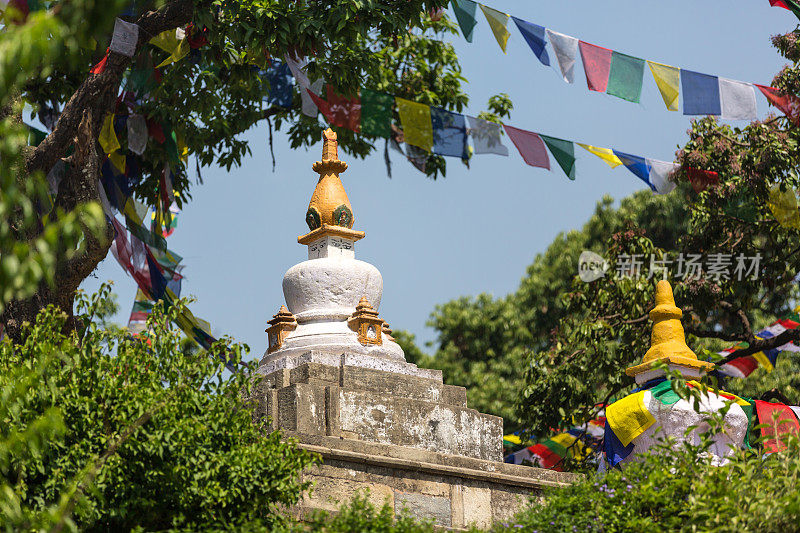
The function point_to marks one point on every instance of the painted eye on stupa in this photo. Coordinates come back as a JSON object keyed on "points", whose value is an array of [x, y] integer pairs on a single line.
{"points": [[343, 216], [312, 218]]}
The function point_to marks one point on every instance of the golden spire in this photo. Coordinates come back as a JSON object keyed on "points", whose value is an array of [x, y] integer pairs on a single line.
{"points": [[667, 341], [329, 203]]}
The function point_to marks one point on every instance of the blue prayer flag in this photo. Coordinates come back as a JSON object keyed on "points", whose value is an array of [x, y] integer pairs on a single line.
{"points": [[613, 448], [158, 283], [449, 133], [637, 165], [700, 93], [280, 83], [534, 36]]}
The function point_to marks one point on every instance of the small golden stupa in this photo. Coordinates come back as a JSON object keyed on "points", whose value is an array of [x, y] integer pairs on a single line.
{"points": [[668, 341], [329, 211]]}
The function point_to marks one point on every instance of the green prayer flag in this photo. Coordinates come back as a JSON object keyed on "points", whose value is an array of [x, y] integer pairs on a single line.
{"points": [[626, 76], [663, 393], [35, 136], [555, 447], [465, 14], [563, 152], [376, 113]]}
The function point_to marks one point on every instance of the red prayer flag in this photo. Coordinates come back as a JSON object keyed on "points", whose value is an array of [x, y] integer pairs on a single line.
{"points": [[596, 64], [155, 131], [746, 365], [788, 104], [777, 431], [788, 324], [547, 458], [530, 146], [101, 66], [338, 110], [702, 179]]}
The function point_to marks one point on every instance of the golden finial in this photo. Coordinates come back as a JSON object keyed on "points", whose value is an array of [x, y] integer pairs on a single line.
{"points": [[329, 203], [667, 341]]}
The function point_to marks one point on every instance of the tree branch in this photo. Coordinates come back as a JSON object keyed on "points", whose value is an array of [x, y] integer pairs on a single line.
{"points": [[94, 92], [759, 345]]}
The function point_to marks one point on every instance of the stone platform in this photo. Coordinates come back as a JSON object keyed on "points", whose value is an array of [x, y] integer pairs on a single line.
{"points": [[409, 440]]}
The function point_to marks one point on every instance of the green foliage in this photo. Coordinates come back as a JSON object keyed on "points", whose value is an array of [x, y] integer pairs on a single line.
{"points": [[675, 487], [124, 433], [483, 342]]}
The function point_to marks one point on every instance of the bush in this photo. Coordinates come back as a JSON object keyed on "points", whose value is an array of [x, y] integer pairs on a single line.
{"points": [[123, 433]]}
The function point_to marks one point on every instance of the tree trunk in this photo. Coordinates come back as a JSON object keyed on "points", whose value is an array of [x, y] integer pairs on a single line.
{"points": [[79, 125]]}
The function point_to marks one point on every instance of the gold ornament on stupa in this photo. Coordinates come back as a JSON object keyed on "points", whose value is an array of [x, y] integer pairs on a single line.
{"points": [[667, 341], [329, 211]]}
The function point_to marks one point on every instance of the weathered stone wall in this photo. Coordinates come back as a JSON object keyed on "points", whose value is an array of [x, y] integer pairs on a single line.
{"points": [[408, 440], [454, 492]]}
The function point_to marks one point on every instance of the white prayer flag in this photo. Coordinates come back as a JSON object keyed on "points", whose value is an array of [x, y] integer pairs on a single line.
{"points": [[738, 100], [487, 137], [309, 108], [137, 134], [126, 35], [659, 175], [566, 49]]}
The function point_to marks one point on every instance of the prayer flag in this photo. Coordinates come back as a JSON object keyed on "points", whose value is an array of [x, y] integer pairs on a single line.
{"points": [[118, 160], [534, 35], [376, 113], [108, 138], [613, 449], [780, 422], [663, 393], [416, 121], [668, 80], [465, 15], [340, 111], [737, 99], [566, 48], [596, 65], [637, 165], [629, 417], [606, 154], [137, 134], [702, 179], [791, 5], [125, 38], [660, 172], [788, 104], [101, 66], [449, 133], [487, 137], [279, 78], [700, 93], [783, 205], [564, 153], [497, 21], [626, 76], [530, 146], [308, 108]]}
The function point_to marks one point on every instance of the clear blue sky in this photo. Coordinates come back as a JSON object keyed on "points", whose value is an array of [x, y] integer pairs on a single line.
{"points": [[478, 229]]}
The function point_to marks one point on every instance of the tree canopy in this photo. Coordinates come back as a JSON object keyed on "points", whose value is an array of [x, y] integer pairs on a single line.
{"points": [[201, 74]]}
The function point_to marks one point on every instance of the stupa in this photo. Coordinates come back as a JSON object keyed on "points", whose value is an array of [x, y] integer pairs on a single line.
{"points": [[335, 380], [646, 417]]}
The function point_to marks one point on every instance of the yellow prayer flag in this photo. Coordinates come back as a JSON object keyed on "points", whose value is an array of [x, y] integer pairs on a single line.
{"points": [[783, 205], [117, 159], [108, 138], [763, 360], [629, 418], [606, 154], [165, 40], [416, 121], [668, 80], [514, 439], [183, 150], [169, 42], [497, 21]]}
